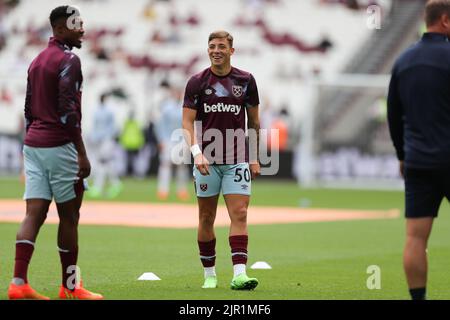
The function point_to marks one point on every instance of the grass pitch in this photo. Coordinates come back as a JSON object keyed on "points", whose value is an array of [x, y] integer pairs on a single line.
{"points": [[325, 260]]}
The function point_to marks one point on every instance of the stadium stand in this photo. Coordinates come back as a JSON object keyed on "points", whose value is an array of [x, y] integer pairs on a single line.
{"points": [[345, 119], [131, 46], [122, 52]]}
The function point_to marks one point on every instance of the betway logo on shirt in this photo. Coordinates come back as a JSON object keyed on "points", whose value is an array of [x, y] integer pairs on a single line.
{"points": [[220, 107]]}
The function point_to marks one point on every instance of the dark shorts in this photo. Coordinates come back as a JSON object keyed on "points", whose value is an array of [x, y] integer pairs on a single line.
{"points": [[424, 191]]}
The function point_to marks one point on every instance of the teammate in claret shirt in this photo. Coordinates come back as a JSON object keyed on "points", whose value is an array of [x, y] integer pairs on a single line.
{"points": [[55, 158]]}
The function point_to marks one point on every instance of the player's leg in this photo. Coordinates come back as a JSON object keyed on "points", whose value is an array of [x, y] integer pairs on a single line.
{"points": [[97, 172], [237, 206], [236, 187], [182, 175], [69, 216], [415, 255], [115, 185], [207, 189], [423, 196], [38, 197], [36, 214], [237, 209], [99, 179], [68, 191], [164, 173], [206, 239], [134, 159], [112, 176]]}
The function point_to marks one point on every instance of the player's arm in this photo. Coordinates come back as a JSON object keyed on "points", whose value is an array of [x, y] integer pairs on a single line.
{"points": [[254, 126], [395, 119], [69, 82], [189, 116], [27, 109], [252, 107]]}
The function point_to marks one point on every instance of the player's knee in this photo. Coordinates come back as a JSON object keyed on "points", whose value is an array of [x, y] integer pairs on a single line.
{"points": [[239, 214], [418, 234], [164, 165], [37, 215], [42, 218], [70, 219], [416, 239], [76, 218], [36, 218]]}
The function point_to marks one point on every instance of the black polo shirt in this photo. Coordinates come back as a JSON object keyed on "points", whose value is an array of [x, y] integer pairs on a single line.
{"points": [[419, 103]]}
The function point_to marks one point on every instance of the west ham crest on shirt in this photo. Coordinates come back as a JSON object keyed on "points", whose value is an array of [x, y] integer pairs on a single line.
{"points": [[203, 186], [237, 91]]}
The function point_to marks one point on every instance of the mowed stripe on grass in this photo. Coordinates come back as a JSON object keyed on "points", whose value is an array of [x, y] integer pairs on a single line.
{"points": [[185, 215]]}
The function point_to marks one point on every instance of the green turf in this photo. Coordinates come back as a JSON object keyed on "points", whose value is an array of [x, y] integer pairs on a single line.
{"points": [[264, 193], [310, 261], [325, 260]]}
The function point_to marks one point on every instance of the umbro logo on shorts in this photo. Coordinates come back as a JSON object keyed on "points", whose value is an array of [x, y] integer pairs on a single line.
{"points": [[244, 186], [203, 186]]}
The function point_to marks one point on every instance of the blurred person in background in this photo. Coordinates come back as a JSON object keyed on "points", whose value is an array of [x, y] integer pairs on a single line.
{"points": [[3, 34], [6, 97], [169, 121], [132, 139], [280, 123], [103, 144]]}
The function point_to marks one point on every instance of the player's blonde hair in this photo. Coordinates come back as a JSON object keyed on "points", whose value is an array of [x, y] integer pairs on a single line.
{"points": [[435, 9], [220, 34]]}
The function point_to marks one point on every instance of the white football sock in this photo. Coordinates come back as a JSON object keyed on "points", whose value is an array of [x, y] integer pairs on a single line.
{"points": [[210, 272], [238, 269], [18, 281]]}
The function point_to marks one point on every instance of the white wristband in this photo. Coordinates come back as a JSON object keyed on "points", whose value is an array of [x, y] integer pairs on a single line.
{"points": [[195, 150]]}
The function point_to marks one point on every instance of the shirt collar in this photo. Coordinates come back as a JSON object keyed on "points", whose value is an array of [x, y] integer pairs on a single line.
{"points": [[58, 42], [434, 36], [224, 76]]}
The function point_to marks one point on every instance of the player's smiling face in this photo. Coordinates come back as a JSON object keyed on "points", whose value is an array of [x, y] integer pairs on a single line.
{"points": [[220, 51]]}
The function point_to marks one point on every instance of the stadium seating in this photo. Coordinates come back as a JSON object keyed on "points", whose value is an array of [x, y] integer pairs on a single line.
{"points": [[121, 50]]}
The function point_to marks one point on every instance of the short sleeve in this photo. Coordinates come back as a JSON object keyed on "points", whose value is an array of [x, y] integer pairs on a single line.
{"points": [[191, 94], [252, 97]]}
